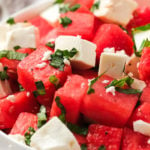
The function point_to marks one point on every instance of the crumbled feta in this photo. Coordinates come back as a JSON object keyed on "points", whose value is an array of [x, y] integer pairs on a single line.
{"points": [[109, 50], [42, 65], [111, 90], [138, 84], [54, 135], [46, 55], [28, 94], [148, 141], [86, 56], [11, 98], [111, 11], [18, 138], [105, 81], [141, 127], [66, 61]]}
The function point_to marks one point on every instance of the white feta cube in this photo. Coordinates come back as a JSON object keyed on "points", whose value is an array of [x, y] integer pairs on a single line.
{"points": [[18, 138], [86, 56], [116, 11], [54, 135], [138, 84], [51, 14], [113, 64], [141, 127], [140, 36]]}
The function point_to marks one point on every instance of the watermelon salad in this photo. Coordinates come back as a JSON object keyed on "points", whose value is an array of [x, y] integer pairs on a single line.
{"points": [[77, 77]]}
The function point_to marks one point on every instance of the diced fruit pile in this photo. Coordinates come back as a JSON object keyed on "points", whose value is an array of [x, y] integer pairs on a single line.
{"points": [[77, 76]]}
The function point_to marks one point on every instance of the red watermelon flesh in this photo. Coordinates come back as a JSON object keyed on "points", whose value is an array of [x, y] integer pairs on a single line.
{"points": [[111, 35], [81, 139], [71, 96], [102, 107], [99, 135], [145, 97], [134, 141], [28, 74], [82, 24], [23, 122], [87, 3], [11, 108]]}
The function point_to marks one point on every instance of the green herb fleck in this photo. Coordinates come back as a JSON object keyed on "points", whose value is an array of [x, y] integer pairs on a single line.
{"points": [[102, 147], [142, 28], [4, 75], [17, 47], [51, 45], [59, 1], [75, 7], [95, 6], [21, 88], [66, 7], [65, 21], [40, 89], [12, 55], [54, 80], [28, 135], [42, 118], [128, 91], [83, 147], [11, 21]]}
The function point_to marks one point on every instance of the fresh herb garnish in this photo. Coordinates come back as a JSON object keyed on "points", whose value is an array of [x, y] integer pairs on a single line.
{"points": [[21, 88], [57, 59], [11, 21], [142, 28], [17, 47], [51, 45], [54, 80], [58, 1], [4, 75], [40, 89], [42, 118], [92, 82], [120, 83], [12, 55], [83, 147], [65, 21], [28, 135], [65, 8], [102, 147], [95, 6], [128, 91]]}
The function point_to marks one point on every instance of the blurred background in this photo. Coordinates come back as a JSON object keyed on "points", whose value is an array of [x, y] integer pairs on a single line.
{"points": [[8, 7]]}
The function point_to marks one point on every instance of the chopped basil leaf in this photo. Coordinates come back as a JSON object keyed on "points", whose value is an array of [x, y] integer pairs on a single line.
{"points": [[28, 135], [21, 88], [54, 80], [142, 28], [59, 1], [102, 147], [83, 147], [128, 91], [75, 7], [11, 21], [51, 45], [12, 55], [76, 129], [62, 108], [90, 89], [65, 8], [95, 6], [4, 75], [57, 59], [42, 118], [40, 89], [120, 83], [17, 47], [65, 21]]}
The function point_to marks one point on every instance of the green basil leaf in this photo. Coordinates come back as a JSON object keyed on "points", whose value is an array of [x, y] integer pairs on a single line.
{"points": [[95, 6], [51, 45], [42, 117], [102, 147], [11, 21], [21, 88], [65, 21], [28, 135], [58, 1], [65, 8], [142, 28], [83, 147], [128, 91], [54, 80], [17, 47], [3, 74], [75, 7]]}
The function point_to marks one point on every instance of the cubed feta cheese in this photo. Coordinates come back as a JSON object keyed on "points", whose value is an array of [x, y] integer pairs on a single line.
{"points": [[142, 127], [51, 14], [86, 56], [138, 84], [140, 36], [18, 138], [54, 135], [116, 11], [113, 64]]}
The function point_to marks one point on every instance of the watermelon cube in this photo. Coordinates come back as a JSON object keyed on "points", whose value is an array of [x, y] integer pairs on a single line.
{"points": [[141, 113], [71, 95], [111, 35], [13, 105], [23, 122], [81, 139], [134, 141], [87, 3], [29, 73], [103, 136], [106, 108], [145, 97], [42, 24], [82, 24]]}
